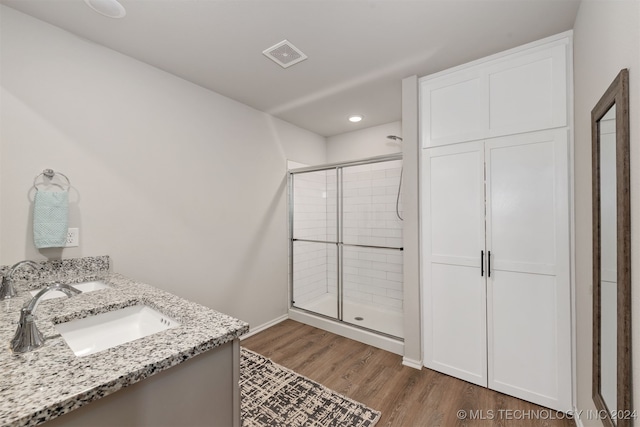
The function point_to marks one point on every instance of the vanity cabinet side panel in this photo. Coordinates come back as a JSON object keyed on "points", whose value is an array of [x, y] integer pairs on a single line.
{"points": [[201, 391]]}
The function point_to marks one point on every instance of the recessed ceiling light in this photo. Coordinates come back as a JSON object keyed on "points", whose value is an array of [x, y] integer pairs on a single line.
{"points": [[355, 118], [110, 8]]}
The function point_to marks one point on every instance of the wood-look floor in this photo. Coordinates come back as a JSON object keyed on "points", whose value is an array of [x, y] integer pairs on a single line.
{"points": [[406, 397]]}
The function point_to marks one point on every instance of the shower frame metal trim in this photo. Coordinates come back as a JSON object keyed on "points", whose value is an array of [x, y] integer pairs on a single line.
{"points": [[376, 159], [355, 245], [291, 240], [339, 212]]}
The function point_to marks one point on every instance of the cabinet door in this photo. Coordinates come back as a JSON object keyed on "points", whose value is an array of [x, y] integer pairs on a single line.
{"points": [[528, 92], [454, 295], [520, 91], [454, 108], [528, 291]]}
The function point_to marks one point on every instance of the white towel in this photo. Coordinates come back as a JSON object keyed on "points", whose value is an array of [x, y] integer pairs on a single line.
{"points": [[50, 219]]}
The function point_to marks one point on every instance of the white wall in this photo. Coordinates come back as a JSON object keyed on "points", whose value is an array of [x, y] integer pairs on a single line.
{"points": [[606, 39], [411, 224], [182, 187], [368, 142]]}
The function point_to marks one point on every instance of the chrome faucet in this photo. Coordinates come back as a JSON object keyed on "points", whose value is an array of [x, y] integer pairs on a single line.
{"points": [[27, 336], [6, 288]]}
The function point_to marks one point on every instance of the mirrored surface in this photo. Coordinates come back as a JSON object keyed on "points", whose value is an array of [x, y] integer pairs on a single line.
{"points": [[608, 255]]}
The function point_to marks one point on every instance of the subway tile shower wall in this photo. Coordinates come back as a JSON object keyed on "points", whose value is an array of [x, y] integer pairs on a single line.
{"points": [[311, 272], [369, 204], [310, 269], [371, 276]]}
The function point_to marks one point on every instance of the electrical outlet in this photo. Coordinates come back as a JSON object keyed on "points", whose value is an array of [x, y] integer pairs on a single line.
{"points": [[73, 237]]}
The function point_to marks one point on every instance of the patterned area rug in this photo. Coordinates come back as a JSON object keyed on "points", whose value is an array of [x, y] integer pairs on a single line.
{"points": [[273, 395]]}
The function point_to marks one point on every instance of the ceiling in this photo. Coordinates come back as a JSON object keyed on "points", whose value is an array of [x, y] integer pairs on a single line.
{"points": [[359, 50]]}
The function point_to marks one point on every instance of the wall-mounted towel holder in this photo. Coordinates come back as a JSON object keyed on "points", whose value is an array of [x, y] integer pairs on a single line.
{"points": [[50, 173]]}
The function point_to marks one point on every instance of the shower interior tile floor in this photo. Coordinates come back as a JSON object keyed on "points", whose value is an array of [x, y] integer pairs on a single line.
{"points": [[368, 316]]}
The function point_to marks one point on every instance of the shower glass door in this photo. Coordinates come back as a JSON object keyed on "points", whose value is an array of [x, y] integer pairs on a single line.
{"points": [[314, 246], [346, 244], [372, 247]]}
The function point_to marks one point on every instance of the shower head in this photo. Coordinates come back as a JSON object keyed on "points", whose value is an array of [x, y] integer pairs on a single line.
{"points": [[394, 138]]}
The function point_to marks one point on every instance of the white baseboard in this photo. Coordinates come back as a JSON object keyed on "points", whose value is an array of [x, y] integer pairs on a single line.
{"points": [[356, 334], [253, 331], [578, 421], [412, 363]]}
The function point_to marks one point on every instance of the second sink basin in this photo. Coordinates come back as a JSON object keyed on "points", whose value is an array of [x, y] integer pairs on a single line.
{"points": [[95, 285], [102, 331]]}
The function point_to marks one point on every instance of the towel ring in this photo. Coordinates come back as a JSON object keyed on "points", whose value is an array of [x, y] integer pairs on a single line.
{"points": [[50, 173]]}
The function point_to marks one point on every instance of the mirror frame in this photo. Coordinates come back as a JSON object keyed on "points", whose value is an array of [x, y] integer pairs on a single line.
{"points": [[618, 94]]}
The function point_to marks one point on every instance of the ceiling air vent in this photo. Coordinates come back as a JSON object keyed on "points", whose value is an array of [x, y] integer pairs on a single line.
{"points": [[284, 54]]}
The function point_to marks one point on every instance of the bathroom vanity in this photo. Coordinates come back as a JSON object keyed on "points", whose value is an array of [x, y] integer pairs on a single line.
{"points": [[186, 374]]}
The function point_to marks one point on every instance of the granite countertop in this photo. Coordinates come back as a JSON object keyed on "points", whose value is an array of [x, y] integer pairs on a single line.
{"points": [[48, 382]]}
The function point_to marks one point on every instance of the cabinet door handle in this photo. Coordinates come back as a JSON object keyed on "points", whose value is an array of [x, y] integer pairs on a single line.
{"points": [[481, 263], [489, 264]]}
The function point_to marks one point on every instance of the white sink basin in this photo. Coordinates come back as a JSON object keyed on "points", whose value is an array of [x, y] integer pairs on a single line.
{"points": [[95, 285], [102, 331]]}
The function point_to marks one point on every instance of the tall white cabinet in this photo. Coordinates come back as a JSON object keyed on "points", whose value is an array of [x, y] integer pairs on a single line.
{"points": [[495, 222]]}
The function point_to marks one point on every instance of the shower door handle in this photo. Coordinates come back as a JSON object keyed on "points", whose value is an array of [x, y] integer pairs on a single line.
{"points": [[481, 263], [489, 264]]}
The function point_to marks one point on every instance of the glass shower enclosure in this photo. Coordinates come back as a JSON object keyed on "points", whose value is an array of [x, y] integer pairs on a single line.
{"points": [[346, 243]]}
